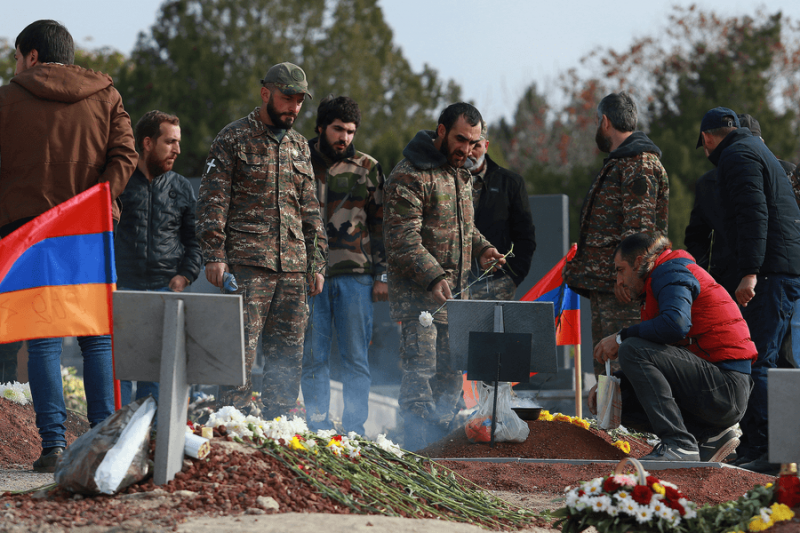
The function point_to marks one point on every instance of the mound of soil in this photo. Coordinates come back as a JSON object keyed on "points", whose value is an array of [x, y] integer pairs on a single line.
{"points": [[547, 440], [20, 444]]}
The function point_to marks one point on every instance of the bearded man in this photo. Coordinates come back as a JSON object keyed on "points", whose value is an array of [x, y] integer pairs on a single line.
{"points": [[155, 245], [258, 219], [629, 195], [431, 239], [350, 192]]}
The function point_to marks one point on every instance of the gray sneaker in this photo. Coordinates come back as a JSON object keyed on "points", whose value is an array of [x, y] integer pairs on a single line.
{"points": [[716, 449], [671, 452]]}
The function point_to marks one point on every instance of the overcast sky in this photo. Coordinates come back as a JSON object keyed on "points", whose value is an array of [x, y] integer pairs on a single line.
{"points": [[494, 49]]}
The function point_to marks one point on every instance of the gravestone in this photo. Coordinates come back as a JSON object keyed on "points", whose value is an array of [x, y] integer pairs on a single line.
{"points": [[783, 393], [177, 339]]}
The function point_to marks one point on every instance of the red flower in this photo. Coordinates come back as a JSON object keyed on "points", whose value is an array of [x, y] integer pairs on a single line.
{"points": [[672, 494], [580, 492], [642, 494], [787, 490], [609, 485], [652, 479], [337, 438], [673, 504]]}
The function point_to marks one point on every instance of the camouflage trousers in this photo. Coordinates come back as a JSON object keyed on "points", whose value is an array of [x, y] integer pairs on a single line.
{"points": [[609, 316], [492, 288], [430, 387], [275, 309]]}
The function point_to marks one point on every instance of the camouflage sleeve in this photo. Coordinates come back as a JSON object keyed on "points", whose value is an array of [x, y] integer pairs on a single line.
{"points": [[375, 220], [215, 199], [640, 188], [479, 243], [402, 220], [313, 230], [794, 177]]}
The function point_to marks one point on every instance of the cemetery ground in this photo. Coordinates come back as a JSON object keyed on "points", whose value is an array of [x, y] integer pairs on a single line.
{"points": [[213, 497]]}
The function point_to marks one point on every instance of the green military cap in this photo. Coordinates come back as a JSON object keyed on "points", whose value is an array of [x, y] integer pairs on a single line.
{"points": [[289, 78]]}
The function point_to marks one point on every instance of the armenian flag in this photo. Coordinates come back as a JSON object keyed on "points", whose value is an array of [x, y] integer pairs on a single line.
{"points": [[57, 271], [566, 304]]}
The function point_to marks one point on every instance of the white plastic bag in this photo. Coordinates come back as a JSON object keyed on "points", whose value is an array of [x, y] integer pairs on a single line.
{"points": [[112, 455], [609, 400], [509, 427]]}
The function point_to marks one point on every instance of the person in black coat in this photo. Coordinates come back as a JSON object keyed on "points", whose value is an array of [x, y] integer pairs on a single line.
{"points": [[155, 244], [503, 216], [762, 225]]}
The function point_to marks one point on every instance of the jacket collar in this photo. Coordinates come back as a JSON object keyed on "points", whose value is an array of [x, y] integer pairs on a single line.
{"points": [[423, 154], [731, 138]]}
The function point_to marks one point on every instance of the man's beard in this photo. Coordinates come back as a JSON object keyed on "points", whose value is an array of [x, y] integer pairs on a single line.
{"points": [[329, 151], [603, 142], [156, 167], [284, 121], [477, 163], [445, 150]]}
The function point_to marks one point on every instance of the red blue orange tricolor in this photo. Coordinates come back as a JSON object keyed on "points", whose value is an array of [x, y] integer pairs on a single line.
{"points": [[57, 271]]}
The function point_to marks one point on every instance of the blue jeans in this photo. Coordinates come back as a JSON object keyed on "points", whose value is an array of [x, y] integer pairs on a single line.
{"points": [[347, 302], [44, 375], [769, 316], [143, 388]]}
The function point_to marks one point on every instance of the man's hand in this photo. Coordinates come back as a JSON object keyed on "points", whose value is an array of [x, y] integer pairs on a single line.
{"points": [[380, 291], [592, 400], [746, 290], [214, 272], [441, 292], [178, 283], [489, 256], [315, 283], [607, 349], [622, 294]]}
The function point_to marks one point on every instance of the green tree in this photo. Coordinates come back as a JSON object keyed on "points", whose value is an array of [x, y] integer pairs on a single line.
{"points": [[7, 63], [202, 60]]}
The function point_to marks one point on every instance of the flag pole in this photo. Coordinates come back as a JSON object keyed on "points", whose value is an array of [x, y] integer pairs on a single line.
{"points": [[578, 383]]}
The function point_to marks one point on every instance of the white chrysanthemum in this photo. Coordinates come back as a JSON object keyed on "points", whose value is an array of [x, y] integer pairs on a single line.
{"points": [[676, 519], [225, 416], [765, 515], [666, 513], [14, 395], [644, 514], [326, 434], [667, 484], [601, 503], [629, 507], [385, 444], [572, 498], [656, 504], [586, 500], [623, 496], [689, 507], [426, 319], [593, 489], [612, 510]]}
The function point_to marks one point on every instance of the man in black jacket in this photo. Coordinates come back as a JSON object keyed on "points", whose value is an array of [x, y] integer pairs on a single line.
{"points": [[155, 244], [762, 225], [503, 216]]}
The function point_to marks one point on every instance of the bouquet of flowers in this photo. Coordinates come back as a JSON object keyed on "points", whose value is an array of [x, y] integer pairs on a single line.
{"points": [[619, 503]]}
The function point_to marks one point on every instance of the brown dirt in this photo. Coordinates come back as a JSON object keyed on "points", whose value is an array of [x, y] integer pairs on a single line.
{"points": [[230, 484]]}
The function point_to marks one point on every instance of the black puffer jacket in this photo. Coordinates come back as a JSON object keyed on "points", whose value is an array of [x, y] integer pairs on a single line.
{"points": [[155, 239], [762, 220], [504, 216]]}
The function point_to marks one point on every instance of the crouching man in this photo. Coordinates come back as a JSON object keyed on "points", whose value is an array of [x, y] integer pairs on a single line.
{"points": [[686, 365]]}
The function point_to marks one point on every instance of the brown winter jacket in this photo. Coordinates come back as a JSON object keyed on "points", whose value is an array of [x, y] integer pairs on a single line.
{"points": [[62, 130]]}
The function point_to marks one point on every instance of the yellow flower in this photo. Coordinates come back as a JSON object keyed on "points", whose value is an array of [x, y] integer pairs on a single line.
{"points": [[562, 417], [756, 524], [781, 512], [545, 415], [768, 485], [295, 444], [581, 422], [623, 445], [658, 488]]}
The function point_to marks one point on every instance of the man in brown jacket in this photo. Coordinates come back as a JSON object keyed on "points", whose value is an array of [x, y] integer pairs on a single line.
{"points": [[62, 130]]}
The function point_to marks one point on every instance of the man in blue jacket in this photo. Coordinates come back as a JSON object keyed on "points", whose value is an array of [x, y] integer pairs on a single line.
{"points": [[762, 225]]}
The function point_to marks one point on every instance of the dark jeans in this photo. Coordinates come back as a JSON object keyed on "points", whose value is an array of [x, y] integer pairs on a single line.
{"points": [[8, 361], [769, 316], [669, 391]]}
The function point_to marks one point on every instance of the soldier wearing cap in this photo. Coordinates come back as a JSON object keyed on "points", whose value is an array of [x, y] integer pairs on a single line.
{"points": [[258, 219], [761, 225], [502, 215]]}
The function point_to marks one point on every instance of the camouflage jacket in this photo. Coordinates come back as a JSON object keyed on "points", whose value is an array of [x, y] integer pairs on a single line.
{"points": [[428, 228], [257, 203], [629, 195], [355, 227]]}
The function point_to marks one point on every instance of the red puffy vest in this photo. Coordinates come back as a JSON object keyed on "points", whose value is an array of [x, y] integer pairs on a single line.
{"points": [[718, 333]]}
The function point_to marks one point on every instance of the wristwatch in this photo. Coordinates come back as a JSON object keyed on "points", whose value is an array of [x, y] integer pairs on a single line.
{"points": [[383, 278], [619, 337]]}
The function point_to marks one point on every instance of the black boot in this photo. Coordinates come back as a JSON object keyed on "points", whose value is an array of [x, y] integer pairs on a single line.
{"points": [[414, 432]]}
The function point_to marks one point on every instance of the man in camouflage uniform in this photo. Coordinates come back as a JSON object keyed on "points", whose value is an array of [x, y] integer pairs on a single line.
{"points": [[629, 195], [258, 219], [350, 193], [502, 215], [430, 240]]}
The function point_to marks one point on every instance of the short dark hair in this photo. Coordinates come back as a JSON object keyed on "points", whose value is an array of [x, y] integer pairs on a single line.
{"points": [[50, 39], [150, 126], [343, 108], [648, 246], [721, 133], [451, 113], [620, 110]]}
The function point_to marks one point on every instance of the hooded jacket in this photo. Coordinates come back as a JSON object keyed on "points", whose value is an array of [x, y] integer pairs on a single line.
{"points": [[428, 226], [63, 129], [762, 219], [629, 195]]}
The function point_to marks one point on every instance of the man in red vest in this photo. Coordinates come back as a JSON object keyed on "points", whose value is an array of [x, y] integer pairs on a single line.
{"points": [[686, 365]]}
